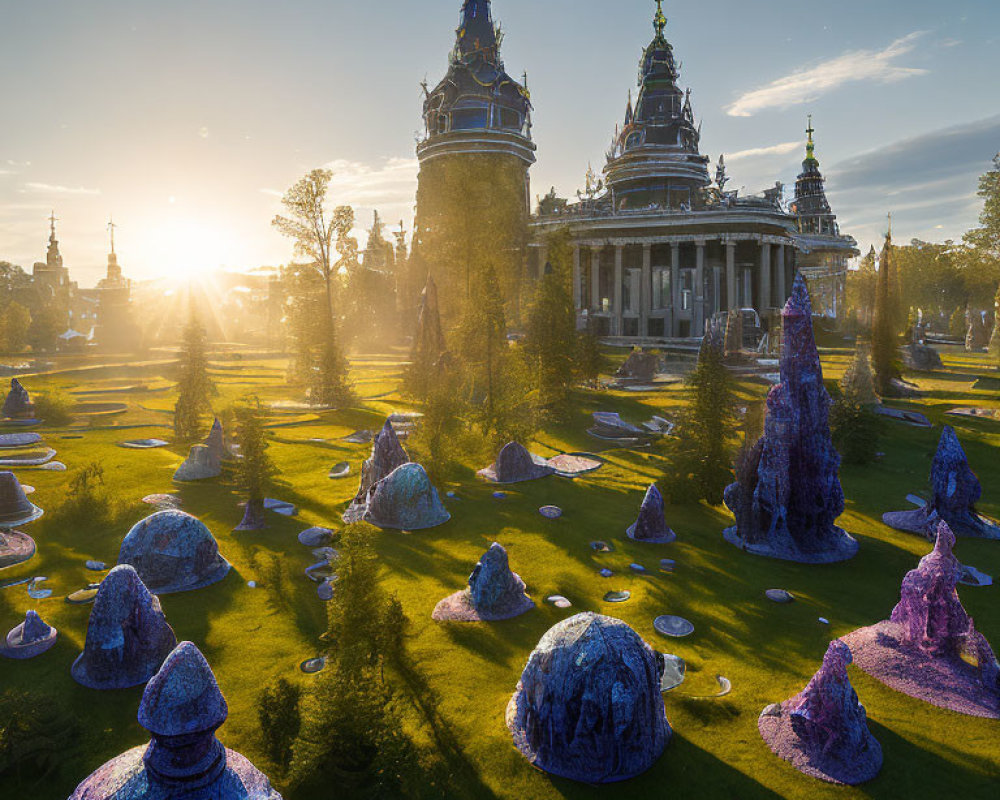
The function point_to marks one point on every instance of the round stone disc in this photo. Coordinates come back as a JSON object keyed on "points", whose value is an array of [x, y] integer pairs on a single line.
{"points": [[341, 470], [313, 665], [617, 597], [558, 601], [779, 596], [676, 627], [550, 512]]}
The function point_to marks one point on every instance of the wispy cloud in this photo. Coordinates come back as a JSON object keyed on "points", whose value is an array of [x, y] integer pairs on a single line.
{"points": [[782, 149], [48, 188], [391, 183], [806, 85]]}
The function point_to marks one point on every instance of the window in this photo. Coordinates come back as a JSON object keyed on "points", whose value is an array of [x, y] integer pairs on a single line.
{"points": [[661, 289], [510, 119], [464, 119]]}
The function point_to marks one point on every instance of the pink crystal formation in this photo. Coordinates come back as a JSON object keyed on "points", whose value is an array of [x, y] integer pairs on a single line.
{"points": [[651, 525], [182, 707], [823, 731], [387, 455], [956, 492], [495, 592], [788, 496], [929, 648]]}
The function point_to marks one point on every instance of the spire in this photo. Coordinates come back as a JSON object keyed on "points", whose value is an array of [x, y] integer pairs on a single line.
{"points": [[52, 227], [476, 33], [810, 144], [660, 20], [628, 110], [111, 231]]}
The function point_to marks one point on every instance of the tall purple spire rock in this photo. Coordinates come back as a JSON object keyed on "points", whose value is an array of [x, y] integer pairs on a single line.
{"points": [[823, 731], [182, 708], [956, 492], [387, 455], [929, 647], [788, 496], [651, 525]]}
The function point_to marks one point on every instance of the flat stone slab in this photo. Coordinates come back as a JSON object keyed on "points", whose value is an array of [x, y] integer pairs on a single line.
{"points": [[96, 566], [35, 592], [33, 459], [550, 512], [341, 470], [12, 441], [144, 444], [638, 569], [780, 596], [668, 564], [82, 597], [989, 414], [558, 601], [973, 577], [914, 418], [360, 437], [280, 507], [617, 597], [673, 626], [606, 573], [674, 672], [52, 466], [163, 501], [315, 537], [15, 548], [571, 465], [313, 665]]}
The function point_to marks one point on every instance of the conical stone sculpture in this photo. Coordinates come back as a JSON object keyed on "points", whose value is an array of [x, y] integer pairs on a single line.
{"points": [[788, 496], [182, 708], [588, 706], [15, 510], [216, 442], [405, 500], [639, 367], [173, 552], [651, 526], [494, 593], [956, 492], [127, 635], [929, 648], [17, 404], [29, 639], [202, 463], [858, 381], [387, 455], [515, 464], [823, 731]]}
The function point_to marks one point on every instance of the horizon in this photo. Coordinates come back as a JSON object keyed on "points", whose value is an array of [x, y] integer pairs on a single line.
{"points": [[191, 147]]}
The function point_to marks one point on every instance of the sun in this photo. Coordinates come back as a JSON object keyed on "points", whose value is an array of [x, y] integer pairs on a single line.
{"points": [[189, 251]]}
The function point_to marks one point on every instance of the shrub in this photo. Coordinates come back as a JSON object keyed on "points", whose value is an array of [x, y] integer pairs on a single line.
{"points": [[54, 409], [855, 430], [280, 720]]}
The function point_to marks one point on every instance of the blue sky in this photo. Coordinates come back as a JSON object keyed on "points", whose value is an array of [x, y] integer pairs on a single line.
{"points": [[187, 120]]}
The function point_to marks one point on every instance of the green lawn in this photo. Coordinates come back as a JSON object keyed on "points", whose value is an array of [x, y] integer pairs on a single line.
{"points": [[468, 672]]}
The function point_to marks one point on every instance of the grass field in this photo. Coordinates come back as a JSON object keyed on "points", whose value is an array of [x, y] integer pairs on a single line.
{"points": [[467, 673]]}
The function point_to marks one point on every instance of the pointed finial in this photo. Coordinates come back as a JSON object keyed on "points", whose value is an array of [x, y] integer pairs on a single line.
{"points": [[52, 226], [660, 20], [810, 144], [890, 226], [111, 230]]}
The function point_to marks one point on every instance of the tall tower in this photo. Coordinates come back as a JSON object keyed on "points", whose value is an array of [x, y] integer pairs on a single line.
{"points": [[655, 159], [811, 206], [473, 186]]}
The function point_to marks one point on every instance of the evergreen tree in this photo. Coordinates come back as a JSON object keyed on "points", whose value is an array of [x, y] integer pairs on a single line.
{"points": [[589, 359], [551, 329], [855, 429], [15, 322], [986, 238], [280, 721], [885, 333], [995, 338], [424, 371], [194, 385], [254, 468]]}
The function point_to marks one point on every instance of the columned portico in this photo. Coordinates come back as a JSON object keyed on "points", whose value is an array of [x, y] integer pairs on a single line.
{"points": [[595, 279], [646, 289], [616, 293], [731, 295], [765, 277], [699, 289], [782, 277]]}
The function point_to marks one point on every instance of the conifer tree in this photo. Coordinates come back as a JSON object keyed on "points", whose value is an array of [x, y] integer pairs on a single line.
{"points": [[194, 385], [254, 469], [425, 366], [995, 339], [885, 335]]}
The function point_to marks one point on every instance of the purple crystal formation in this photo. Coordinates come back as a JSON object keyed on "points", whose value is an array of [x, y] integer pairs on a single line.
{"points": [[387, 455], [787, 496], [494, 592], [588, 706], [29, 639], [17, 402], [651, 526], [956, 492], [823, 731], [929, 648], [173, 552], [405, 500], [515, 464], [182, 707], [127, 635]]}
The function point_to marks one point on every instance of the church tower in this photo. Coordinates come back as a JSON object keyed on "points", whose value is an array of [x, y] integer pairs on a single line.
{"points": [[473, 185]]}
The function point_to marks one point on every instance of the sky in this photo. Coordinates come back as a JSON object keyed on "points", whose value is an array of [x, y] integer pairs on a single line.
{"points": [[188, 120]]}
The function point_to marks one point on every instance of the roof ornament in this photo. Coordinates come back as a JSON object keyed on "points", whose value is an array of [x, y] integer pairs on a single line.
{"points": [[660, 20], [111, 231], [53, 219], [810, 144]]}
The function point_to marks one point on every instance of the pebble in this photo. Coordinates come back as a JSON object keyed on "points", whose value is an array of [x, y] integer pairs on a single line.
{"points": [[606, 573], [639, 568], [667, 564], [325, 591], [96, 566], [316, 537], [617, 597], [499, 495], [824, 621], [558, 601], [779, 596]]}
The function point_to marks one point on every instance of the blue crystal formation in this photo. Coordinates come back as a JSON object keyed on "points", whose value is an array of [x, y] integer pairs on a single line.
{"points": [[494, 589], [182, 708], [651, 526], [588, 706], [515, 464], [387, 455], [29, 639], [956, 492], [17, 403], [787, 496], [173, 552], [405, 500], [127, 635], [823, 731]]}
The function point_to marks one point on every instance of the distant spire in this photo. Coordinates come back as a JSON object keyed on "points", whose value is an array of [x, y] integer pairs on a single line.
{"points": [[52, 227], [111, 231], [628, 110], [810, 144], [889, 235], [660, 20]]}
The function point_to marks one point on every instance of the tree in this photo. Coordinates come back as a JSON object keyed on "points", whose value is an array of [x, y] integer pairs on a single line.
{"points": [[318, 234], [550, 339], [861, 290], [46, 324], [15, 322], [254, 469], [986, 238], [194, 386], [855, 429], [885, 333], [995, 338], [280, 720]]}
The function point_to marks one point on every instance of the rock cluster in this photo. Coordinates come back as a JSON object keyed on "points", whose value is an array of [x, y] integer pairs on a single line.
{"points": [[182, 708], [202, 463], [956, 492], [405, 500], [588, 705], [17, 403], [651, 526], [173, 552], [515, 464], [823, 731], [29, 639], [494, 593], [788, 495], [929, 648], [639, 367], [387, 455], [127, 635]]}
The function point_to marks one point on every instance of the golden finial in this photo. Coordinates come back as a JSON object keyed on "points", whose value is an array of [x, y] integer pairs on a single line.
{"points": [[660, 20], [810, 144]]}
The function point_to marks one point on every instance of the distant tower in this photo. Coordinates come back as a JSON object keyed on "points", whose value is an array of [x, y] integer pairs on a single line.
{"points": [[823, 251], [53, 258], [654, 159], [114, 277], [473, 186]]}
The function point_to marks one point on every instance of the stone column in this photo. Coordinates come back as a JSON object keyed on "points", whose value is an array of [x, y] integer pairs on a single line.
{"points": [[764, 301], [675, 289], [576, 278], [698, 323], [595, 279], [543, 257], [731, 298], [646, 289], [616, 292], [782, 278]]}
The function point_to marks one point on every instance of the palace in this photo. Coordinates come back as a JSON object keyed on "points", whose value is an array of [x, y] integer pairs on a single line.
{"points": [[659, 247]]}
